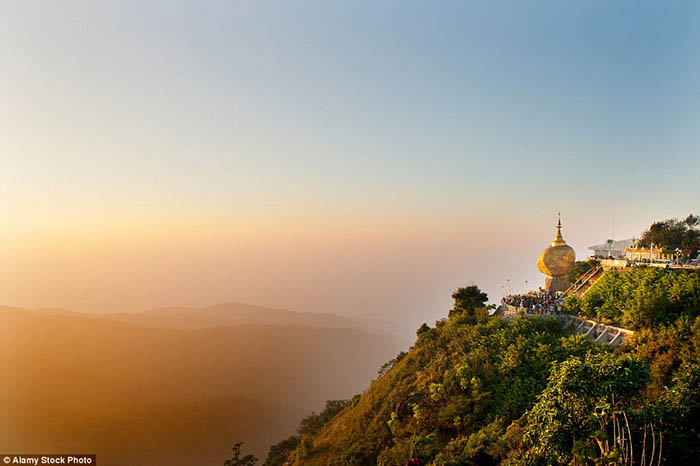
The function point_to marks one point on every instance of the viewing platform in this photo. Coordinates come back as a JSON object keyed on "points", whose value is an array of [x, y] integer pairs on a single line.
{"points": [[621, 263]]}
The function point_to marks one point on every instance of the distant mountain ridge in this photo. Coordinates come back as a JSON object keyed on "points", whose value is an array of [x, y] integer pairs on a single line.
{"points": [[143, 395], [224, 314], [232, 313]]}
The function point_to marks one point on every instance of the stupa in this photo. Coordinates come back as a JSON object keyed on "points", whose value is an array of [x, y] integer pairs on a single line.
{"points": [[555, 262]]}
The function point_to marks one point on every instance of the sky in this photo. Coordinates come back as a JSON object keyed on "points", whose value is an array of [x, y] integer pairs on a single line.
{"points": [[364, 158]]}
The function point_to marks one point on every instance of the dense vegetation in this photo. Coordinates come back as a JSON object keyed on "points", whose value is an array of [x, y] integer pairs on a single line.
{"points": [[641, 297], [477, 390], [674, 234], [579, 268], [309, 427]]}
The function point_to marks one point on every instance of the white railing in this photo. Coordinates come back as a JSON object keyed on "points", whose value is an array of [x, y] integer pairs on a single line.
{"points": [[594, 331]]}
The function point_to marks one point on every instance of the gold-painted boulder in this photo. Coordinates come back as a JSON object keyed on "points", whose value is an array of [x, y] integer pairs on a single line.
{"points": [[557, 258]]}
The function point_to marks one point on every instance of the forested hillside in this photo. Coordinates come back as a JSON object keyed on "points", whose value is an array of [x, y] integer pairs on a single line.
{"points": [[478, 390]]}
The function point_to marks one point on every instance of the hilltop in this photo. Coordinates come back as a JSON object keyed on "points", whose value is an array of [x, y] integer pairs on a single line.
{"points": [[478, 390]]}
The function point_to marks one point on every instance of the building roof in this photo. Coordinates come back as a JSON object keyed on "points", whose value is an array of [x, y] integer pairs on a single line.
{"points": [[611, 245]]}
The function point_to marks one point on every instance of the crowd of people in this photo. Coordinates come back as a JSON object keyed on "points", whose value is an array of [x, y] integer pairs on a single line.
{"points": [[540, 301]]}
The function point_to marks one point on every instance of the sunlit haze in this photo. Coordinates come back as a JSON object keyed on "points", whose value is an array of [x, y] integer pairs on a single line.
{"points": [[361, 158]]}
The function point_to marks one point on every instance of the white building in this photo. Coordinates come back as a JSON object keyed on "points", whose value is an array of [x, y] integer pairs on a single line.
{"points": [[612, 248]]}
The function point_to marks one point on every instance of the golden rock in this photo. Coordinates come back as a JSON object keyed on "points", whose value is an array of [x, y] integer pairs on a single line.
{"points": [[557, 258]]}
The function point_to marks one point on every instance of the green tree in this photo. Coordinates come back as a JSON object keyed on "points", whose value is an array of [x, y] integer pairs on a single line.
{"points": [[312, 424], [387, 366], [579, 268], [279, 452], [423, 329], [572, 305], [673, 233], [642, 297], [236, 460], [468, 299], [578, 413], [309, 427], [677, 412]]}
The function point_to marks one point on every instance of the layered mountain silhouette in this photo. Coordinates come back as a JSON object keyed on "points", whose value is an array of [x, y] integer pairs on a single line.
{"points": [[231, 313], [175, 386]]}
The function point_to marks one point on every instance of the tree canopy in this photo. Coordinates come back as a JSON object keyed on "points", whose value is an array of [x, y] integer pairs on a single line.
{"points": [[468, 299], [674, 234], [579, 268], [238, 460], [575, 415], [640, 297]]}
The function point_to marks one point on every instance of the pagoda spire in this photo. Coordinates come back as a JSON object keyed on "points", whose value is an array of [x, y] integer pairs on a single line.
{"points": [[558, 239]]}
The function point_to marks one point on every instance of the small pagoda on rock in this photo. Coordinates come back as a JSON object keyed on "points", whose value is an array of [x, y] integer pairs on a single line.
{"points": [[555, 262]]}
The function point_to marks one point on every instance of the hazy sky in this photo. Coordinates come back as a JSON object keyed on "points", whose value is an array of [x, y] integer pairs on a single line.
{"points": [[356, 157]]}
